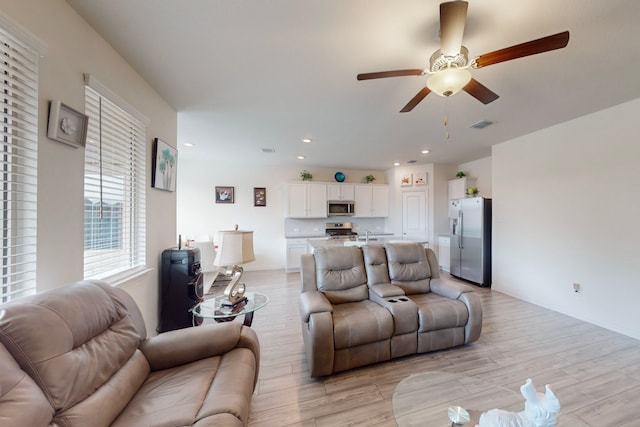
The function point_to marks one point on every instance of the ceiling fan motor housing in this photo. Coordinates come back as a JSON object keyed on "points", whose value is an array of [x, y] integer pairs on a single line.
{"points": [[439, 62]]}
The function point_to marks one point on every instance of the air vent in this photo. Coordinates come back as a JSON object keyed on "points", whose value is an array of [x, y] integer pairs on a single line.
{"points": [[411, 161], [268, 150], [481, 124]]}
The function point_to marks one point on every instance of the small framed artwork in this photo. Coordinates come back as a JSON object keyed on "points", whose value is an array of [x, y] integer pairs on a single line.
{"points": [[420, 178], [259, 196], [406, 180], [67, 125], [165, 166], [224, 194]]}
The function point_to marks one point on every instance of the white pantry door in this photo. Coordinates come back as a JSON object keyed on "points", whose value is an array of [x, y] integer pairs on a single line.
{"points": [[414, 215]]}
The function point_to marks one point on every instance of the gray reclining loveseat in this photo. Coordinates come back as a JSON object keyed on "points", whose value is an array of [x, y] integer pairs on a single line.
{"points": [[363, 305]]}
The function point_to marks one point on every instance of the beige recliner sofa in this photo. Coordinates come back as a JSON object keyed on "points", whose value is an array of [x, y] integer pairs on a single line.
{"points": [[79, 356], [363, 305]]}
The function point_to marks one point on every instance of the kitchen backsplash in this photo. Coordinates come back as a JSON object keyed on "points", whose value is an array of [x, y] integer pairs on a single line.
{"points": [[315, 227]]}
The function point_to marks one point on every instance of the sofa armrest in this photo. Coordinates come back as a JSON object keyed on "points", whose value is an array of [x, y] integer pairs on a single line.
{"points": [[182, 346], [448, 288], [385, 290], [319, 343], [313, 302], [473, 328]]}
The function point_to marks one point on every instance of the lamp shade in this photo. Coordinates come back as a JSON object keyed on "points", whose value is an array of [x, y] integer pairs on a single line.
{"points": [[234, 247], [449, 81]]}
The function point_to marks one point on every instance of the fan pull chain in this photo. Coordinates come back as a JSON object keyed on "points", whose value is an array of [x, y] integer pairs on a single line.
{"points": [[446, 120]]}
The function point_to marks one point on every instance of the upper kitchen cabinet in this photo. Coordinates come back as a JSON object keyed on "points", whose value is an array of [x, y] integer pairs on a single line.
{"points": [[371, 200], [458, 187], [340, 192], [307, 200]]}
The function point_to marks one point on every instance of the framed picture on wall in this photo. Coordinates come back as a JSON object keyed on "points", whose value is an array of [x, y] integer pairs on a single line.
{"points": [[224, 195], [420, 178], [67, 125], [406, 180], [259, 196], [165, 166]]}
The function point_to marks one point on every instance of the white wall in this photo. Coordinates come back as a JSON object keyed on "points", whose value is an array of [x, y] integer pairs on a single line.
{"points": [[565, 209], [480, 170], [73, 49], [199, 214]]}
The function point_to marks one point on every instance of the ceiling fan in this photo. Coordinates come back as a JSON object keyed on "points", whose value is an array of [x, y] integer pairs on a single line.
{"points": [[449, 65]]}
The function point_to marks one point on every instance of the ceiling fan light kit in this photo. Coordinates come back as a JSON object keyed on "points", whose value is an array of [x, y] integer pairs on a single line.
{"points": [[449, 81], [449, 65]]}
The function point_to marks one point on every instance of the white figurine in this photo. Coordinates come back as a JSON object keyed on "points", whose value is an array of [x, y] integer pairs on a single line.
{"points": [[539, 410]]}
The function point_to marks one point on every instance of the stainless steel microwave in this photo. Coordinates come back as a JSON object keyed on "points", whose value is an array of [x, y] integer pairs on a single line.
{"points": [[341, 207]]}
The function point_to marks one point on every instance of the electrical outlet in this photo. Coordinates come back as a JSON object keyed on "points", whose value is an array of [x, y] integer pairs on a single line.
{"points": [[576, 287]]}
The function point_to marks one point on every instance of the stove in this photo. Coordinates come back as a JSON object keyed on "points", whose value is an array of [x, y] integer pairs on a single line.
{"points": [[340, 231]]}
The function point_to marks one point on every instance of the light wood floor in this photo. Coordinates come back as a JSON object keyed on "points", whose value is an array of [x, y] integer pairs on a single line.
{"points": [[595, 373]]}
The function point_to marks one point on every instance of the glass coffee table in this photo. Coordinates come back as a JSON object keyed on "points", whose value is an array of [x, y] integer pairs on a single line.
{"points": [[423, 399], [212, 308]]}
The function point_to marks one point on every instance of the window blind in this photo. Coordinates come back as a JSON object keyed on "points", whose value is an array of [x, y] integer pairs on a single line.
{"points": [[114, 190], [18, 166]]}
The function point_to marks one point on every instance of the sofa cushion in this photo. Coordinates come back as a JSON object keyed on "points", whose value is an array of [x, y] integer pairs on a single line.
{"points": [[340, 274], [71, 341], [408, 267], [360, 323], [103, 406], [200, 390], [436, 312], [22, 403], [375, 262]]}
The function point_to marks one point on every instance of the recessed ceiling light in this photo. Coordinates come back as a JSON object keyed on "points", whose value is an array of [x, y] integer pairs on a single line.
{"points": [[425, 151], [301, 157], [188, 144], [396, 164], [306, 141]]}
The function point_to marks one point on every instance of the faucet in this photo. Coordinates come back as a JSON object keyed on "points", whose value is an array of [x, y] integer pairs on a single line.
{"points": [[366, 236]]}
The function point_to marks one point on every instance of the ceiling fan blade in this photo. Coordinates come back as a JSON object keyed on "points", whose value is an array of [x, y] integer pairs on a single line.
{"points": [[545, 44], [416, 100], [394, 73], [453, 16], [480, 92]]}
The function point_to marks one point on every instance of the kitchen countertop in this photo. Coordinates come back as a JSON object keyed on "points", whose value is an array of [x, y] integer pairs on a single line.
{"points": [[304, 236], [379, 239]]}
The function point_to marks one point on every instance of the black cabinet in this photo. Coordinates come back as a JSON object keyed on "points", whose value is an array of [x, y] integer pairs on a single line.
{"points": [[180, 289]]}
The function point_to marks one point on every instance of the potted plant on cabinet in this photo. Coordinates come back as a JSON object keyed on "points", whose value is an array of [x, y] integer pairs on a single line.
{"points": [[369, 179], [460, 174], [306, 175]]}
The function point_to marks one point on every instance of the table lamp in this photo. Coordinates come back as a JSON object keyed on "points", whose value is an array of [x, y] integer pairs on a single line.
{"points": [[235, 247]]}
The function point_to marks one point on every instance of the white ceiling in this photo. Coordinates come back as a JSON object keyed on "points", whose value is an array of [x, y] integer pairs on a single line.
{"points": [[251, 74]]}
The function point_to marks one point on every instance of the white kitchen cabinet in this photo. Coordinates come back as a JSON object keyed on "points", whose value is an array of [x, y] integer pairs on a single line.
{"points": [[340, 192], [444, 248], [380, 201], [295, 249], [458, 187], [371, 200], [307, 200]]}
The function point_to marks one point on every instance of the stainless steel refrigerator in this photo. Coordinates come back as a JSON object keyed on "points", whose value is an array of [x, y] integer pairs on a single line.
{"points": [[470, 245]]}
